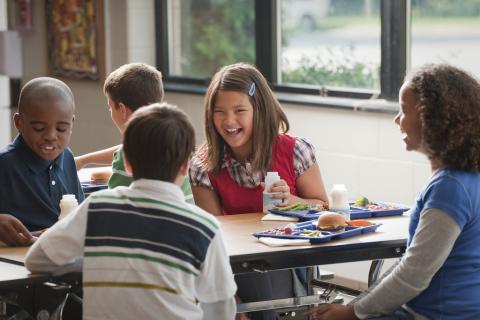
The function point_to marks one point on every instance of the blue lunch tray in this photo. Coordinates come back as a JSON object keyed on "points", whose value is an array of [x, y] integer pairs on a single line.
{"points": [[88, 187], [355, 213], [324, 236]]}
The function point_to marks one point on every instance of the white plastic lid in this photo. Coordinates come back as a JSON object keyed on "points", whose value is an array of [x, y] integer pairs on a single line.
{"points": [[271, 178]]}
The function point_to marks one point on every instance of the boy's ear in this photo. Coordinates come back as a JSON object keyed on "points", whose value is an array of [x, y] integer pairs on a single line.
{"points": [[184, 168], [18, 121], [128, 166], [126, 111]]}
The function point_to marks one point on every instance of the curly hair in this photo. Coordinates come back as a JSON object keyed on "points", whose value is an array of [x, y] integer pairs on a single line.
{"points": [[449, 108]]}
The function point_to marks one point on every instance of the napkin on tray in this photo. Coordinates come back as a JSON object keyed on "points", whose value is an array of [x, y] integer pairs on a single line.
{"points": [[277, 242], [277, 217]]}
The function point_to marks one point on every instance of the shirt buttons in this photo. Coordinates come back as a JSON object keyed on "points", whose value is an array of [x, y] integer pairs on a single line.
{"points": [[53, 182], [50, 167]]}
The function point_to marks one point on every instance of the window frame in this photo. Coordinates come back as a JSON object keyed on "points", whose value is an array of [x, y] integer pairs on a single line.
{"points": [[395, 42]]}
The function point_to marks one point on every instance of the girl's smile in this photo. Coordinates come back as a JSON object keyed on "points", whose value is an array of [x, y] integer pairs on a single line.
{"points": [[233, 120], [408, 120]]}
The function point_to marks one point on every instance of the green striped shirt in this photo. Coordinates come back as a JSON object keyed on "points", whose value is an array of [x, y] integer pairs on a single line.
{"points": [[120, 177]]}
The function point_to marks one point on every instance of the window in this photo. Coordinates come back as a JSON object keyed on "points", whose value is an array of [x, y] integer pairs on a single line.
{"points": [[206, 35], [331, 43], [334, 48], [446, 31]]}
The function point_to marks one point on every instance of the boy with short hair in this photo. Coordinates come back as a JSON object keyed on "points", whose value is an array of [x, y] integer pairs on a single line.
{"points": [[128, 88], [147, 253], [37, 168]]}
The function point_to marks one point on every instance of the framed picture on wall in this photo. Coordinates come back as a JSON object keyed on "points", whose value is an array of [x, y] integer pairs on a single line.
{"points": [[75, 38]]}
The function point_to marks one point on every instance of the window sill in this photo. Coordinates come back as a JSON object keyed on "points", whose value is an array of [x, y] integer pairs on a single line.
{"points": [[365, 105]]}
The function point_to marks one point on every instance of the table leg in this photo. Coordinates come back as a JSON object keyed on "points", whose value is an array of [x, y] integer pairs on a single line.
{"points": [[3, 309], [375, 269]]}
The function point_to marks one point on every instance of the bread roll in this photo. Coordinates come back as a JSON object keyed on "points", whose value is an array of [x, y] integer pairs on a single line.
{"points": [[331, 221], [100, 176]]}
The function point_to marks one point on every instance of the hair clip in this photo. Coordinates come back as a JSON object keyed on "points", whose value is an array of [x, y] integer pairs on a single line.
{"points": [[251, 91]]}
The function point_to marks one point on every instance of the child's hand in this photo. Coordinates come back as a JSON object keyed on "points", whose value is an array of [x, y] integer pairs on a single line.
{"points": [[281, 190], [13, 232], [332, 311], [38, 233], [241, 316]]}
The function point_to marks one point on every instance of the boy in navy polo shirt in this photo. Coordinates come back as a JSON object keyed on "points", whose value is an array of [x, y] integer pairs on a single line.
{"points": [[37, 169]]}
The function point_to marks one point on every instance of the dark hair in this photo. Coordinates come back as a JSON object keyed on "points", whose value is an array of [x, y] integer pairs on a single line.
{"points": [[158, 139], [45, 89], [268, 115], [135, 85], [449, 108]]}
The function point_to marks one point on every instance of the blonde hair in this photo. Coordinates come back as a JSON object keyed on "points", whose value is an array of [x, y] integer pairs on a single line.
{"points": [[268, 115]]}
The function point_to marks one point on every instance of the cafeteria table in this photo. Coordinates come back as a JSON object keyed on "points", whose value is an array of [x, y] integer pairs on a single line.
{"points": [[247, 254]]}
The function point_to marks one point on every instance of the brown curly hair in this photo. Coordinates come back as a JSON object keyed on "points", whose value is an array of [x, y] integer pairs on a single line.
{"points": [[449, 107]]}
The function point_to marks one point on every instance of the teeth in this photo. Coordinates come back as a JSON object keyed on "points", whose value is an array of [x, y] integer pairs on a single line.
{"points": [[232, 130], [48, 147]]}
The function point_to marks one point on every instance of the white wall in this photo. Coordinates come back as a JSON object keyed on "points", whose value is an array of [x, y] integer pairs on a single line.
{"points": [[360, 149], [5, 120]]}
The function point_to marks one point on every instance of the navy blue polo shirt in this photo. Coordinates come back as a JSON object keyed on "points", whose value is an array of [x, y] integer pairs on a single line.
{"points": [[31, 188]]}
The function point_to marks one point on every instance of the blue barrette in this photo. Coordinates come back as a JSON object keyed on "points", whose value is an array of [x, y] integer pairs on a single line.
{"points": [[251, 91]]}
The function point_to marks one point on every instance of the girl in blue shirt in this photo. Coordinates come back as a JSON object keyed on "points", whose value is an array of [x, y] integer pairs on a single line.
{"points": [[439, 275]]}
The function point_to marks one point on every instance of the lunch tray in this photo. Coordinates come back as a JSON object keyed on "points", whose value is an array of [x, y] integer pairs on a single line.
{"points": [[89, 187], [325, 236], [355, 213]]}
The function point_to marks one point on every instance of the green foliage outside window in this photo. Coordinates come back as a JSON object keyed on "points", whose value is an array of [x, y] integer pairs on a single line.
{"points": [[220, 33], [333, 68], [446, 8]]}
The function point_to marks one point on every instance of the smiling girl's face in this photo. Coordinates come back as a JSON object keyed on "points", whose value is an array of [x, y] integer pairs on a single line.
{"points": [[408, 119], [233, 120]]}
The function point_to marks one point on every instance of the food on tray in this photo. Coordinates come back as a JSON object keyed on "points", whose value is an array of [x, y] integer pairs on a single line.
{"points": [[301, 206], [331, 221], [362, 202], [382, 207], [100, 176], [311, 233], [293, 207], [359, 223], [369, 205], [288, 229]]}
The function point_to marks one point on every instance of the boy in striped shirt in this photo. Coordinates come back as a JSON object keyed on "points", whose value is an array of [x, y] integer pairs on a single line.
{"points": [[147, 253]]}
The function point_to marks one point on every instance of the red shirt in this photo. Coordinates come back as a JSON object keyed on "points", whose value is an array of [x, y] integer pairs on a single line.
{"points": [[235, 199]]}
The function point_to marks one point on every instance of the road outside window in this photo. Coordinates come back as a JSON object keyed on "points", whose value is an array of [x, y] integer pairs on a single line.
{"points": [[446, 31], [332, 43]]}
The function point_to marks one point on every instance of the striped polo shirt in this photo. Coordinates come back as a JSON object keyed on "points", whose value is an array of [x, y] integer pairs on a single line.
{"points": [[148, 254]]}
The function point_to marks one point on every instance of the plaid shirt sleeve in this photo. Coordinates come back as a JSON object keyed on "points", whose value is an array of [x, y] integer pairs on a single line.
{"points": [[198, 174], [303, 156]]}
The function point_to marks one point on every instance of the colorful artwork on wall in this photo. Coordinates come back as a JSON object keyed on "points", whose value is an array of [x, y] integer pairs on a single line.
{"points": [[75, 38]]}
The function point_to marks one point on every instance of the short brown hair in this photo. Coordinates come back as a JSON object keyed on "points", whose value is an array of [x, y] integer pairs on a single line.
{"points": [[158, 139], [135, 85], [449, 107], [268, 115]]}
